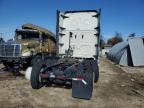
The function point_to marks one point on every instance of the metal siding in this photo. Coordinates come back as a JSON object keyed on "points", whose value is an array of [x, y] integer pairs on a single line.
{"points": [[137, 51]]}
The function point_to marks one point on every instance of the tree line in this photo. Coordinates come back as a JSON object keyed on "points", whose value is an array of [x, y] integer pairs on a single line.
{"points": [[116, 38]]}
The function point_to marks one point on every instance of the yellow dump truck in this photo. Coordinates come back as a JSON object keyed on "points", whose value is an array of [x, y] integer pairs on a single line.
{"points": [[31, 44]]}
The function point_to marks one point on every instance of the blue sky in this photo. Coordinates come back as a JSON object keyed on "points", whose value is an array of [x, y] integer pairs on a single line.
{"points": [[124, 16]]}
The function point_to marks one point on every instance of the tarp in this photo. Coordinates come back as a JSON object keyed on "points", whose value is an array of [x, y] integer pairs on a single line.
{"points": [[129, 53], [35, 27], [117, 51]]}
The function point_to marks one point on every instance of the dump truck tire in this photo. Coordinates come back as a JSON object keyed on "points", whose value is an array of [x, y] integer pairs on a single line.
{"points": [[7, 64], [35, 83], [36, 59]]}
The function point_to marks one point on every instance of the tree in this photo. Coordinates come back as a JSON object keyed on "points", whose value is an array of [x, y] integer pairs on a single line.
{"points": [[132, 35], [115, 39]]}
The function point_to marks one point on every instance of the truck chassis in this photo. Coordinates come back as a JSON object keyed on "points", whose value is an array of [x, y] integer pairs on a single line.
{"points": [[81, 75]]}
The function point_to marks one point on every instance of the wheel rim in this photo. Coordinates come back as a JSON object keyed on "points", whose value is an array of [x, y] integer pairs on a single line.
{"points": [[43, 67]]}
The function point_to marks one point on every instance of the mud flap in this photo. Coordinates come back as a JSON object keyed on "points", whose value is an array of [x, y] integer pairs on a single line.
{"points": [[83, 88]]}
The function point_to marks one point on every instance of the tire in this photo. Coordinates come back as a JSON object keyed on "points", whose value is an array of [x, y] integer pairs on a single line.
{"points": [[96, 73], [35, 83], [93, 78], [7, 64], [36, 59]]}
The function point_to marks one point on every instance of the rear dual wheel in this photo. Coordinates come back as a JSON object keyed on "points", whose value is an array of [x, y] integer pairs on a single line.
{"points": [[96, 74]]}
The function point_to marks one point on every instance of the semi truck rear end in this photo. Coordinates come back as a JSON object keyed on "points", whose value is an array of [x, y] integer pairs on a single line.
{"points": [[78, 34]]}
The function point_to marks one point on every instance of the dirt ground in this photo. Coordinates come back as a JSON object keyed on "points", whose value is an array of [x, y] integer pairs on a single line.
{"points": [[118, 87]]}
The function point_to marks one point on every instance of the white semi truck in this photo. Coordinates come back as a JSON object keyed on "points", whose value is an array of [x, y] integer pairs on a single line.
{"points": [[78, 34]]}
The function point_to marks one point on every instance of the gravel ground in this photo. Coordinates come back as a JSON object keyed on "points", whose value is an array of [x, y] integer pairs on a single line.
{"points": [[118, 87]]}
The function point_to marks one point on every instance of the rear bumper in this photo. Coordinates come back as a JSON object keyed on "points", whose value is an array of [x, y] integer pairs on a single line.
{"points": [[14, 59]]}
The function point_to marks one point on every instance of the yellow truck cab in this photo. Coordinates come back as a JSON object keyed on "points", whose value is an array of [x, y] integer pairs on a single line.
{"points": [[30, 44]]}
